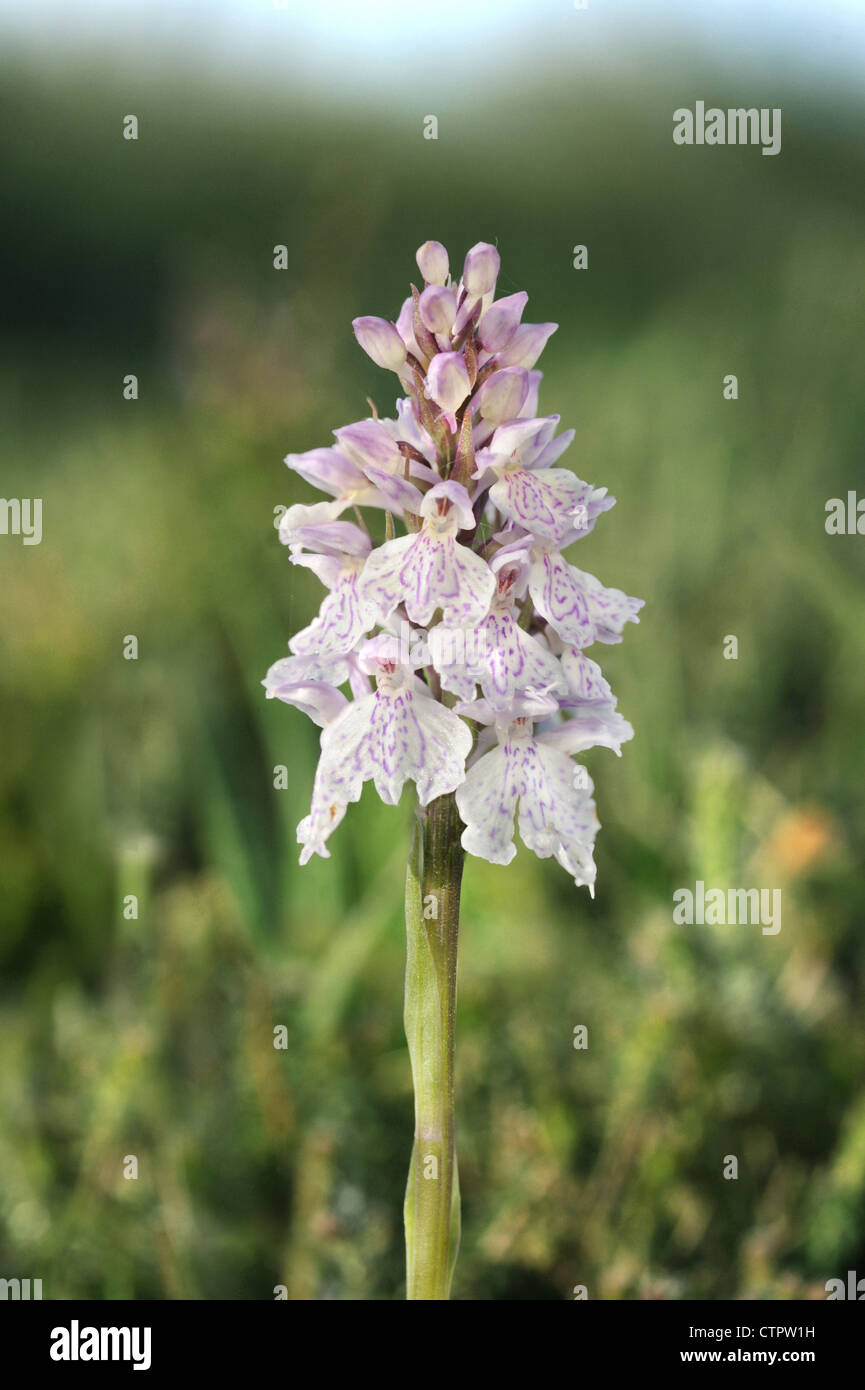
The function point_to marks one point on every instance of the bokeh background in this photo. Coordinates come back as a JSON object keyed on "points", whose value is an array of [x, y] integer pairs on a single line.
{"points": [[300, 125]]}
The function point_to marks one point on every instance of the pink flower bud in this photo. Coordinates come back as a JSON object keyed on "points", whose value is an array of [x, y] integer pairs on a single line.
{"points": [[432, 262], [501, 320], [438, 309], [503, 395], [481, 270], [405, 327], [380, 341], [369, 443], [527, 344], [447, 381]]}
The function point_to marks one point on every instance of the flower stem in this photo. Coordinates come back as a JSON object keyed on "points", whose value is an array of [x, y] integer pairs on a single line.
{"points": [[432, 910]]}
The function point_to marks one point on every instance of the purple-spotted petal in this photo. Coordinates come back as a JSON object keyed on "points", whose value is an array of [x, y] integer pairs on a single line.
{"points": [[396, 735], [426, 572], [555, 817], [610, 609], [506, 661], [575, 604], [541, 500], [340, 623], [560, 598], [585, 679], [380, 586], [486, 802]]}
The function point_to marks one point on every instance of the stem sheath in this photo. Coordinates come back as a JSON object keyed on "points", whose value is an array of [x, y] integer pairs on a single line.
{"points": [[432, 909]]}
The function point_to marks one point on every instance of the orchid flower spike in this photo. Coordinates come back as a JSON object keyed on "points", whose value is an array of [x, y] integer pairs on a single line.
{"points": [[451, 653]]}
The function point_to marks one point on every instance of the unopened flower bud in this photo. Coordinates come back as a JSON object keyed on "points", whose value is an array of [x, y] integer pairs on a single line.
{"points": [[501, 320], [380, 341], [448, 381], [526, 345], [481, 270], [438, 309], [432, 262], [405, 327], [503, 395]]}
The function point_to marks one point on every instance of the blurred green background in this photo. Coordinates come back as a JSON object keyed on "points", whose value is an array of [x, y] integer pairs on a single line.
{"points": [[154, 1037]]}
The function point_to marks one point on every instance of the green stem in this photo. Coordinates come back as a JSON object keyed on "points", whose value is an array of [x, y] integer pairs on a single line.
{"points": [[432, 910]]}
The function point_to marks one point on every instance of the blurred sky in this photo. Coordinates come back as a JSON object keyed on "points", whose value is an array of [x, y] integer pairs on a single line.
{"points": [[379, 46]]}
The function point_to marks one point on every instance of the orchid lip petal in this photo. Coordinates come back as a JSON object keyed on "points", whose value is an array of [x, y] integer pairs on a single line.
{"points": [[427, 572], [525, 779], [392, 736]]}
